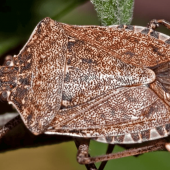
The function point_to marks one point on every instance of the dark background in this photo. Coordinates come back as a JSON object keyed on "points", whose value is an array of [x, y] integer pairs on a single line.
{"points": [[17, 20]]}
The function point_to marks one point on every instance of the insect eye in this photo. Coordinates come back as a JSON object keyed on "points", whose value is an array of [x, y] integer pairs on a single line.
{"points": [[3, 96], [8, 60], [7, 63]]}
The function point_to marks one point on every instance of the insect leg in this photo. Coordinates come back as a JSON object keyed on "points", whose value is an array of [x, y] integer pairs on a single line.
{"points": [[153, 24], [109, 150], [79, 142], [10, 125], [84, 159]]}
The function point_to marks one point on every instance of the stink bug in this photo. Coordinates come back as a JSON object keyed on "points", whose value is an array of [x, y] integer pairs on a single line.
{"points": [[110, 84]]}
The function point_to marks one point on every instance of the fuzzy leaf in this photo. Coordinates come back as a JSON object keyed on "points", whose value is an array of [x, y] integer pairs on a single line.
{"points": [[114, 12]]}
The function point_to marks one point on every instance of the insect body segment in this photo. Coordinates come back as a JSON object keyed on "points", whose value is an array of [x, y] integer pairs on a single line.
{"points": [[8, 80], [91, 69], [110, 84], [57, 68], [101, 110], [90, 72], [40, 75]]}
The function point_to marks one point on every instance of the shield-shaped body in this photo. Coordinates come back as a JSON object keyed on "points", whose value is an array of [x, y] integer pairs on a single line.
{"points": [[107, 83]]}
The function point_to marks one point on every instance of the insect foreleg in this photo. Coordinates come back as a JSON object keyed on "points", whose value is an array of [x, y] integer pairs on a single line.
{"points": [[82, 156], [153, 24], [10, 125]]}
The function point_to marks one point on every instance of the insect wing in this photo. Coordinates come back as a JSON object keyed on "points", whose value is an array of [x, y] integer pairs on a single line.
{"points": [[135, 45], [126, 115]]}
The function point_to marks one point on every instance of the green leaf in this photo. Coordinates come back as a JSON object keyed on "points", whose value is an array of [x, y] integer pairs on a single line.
{"points": [[114, 12]]}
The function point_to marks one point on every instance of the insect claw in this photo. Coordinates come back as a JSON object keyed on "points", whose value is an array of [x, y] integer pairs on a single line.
{"points": [[153, 24]]}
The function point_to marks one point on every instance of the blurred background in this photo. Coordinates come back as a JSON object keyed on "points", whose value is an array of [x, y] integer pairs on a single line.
{"points": [[17, 20]]}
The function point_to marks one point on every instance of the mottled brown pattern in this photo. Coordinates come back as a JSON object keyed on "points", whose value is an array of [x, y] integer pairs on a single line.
{"points": [[91, 81], [117, 41], [119, 139], [40, 76], [109, 139], [115, 113], [161, 130], [145, 135], [92, 72], [135, 137]]}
